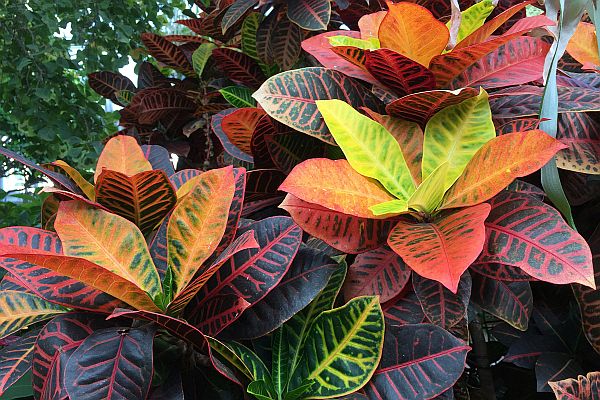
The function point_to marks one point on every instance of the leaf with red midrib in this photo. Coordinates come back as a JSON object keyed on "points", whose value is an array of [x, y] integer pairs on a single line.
{"points": [[584, 387], [167, 53], [239, 127], [238, 67], [15, 359], [442, 307]]}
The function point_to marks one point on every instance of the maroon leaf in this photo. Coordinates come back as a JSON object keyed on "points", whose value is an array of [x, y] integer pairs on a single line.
{"points": [[312, 15], [343, 232], [150, 76], [404, 309], [15, 359], [218, 312], [217, 127], [286, 42], [401, 74], [441, 306], [238, 67], [501, 272], [113, 363], [289, 149], [421, 362], [379, 272], [235, 12], [159, 103], [167, 53], [107, 84], [526, 233], [512, 302]]}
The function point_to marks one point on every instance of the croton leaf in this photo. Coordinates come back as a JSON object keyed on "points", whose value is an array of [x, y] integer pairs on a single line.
{"points": [[168, 53], [443, 248], [286, 40], [107, 84], [144, 198], [157, 104], [425, 361], [290, 97], [517, 62], [34, 240], [58, 288], [583, 45], [473, 18], [334, 184], [455, 134], [307, 276], [216, 124], [413, 31], [239, 126], [109, 241], [552, 366], [501, 272], [179, 178], [420, 107], [342, 231], [581, 133], [286, 150], [238, 66], [113, 363], [410, 138], [159, 158], [584, 387], [62, 167], [91, 275], [399, 73], [235, 12], [19, 310], [379, 272], [15, 359], [555, 254], [319, 47], [235, 210], [512, 302], [201, 55], [442, 307], [56, 342], [238, 96], [370, 149], [249, 29], [198, 223], [122, 154], [497, 163], [342, 349], [404, 309], [429, 194], [312, 15]]}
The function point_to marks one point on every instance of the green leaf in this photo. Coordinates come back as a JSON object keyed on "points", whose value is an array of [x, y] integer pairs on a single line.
{"points": [[369, 147], [280, 368], [201, 55], [260, 390], [20, 389], [342, 348], [252, 362], [368, 44], [430, 193], [238, 96], [249, 28], [473, 18], [393, 207], [299, 392], [454, 135]]}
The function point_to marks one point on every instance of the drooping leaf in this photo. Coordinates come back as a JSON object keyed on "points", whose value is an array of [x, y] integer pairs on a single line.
{"points": [[370, 149], [201, 56], [312, 15], [168, 53], [144, 199], [414, 32], [19, 310], [583, 45], [584, 387], [342, 348], [343, 232], [111, 363], [524, 232], [455, 134], [334, 184], [319, 47], [512, 302], [426, 360], [497, 163], [420, 107], [122, 154], [399, 73], [379, 272], [443, 248], [86, 187], [294, 104], [15, 360], [517, 62], [442, 307], [238, 67], [110, 241], [306, 277], [239, 127], [198, 222], [238, 96]]}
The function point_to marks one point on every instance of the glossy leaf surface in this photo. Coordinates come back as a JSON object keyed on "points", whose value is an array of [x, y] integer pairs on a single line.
{"points": [[442, 307], [15, 359], [312, 15], [19, 310], [122, 154]]}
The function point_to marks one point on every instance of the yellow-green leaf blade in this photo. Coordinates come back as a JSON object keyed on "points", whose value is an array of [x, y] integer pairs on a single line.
{"points": [[390, 208], [430, 193], [364, 44], [455, 134], [473, 18], [342, 349], [109, 241], [369, 147], [19, 310], [198, 223]]}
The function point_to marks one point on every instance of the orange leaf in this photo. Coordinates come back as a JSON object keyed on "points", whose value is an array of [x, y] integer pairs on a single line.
{"points": [[239, 126], [498, 163], [369, 24], [335, 185], [413, 31], [444, 248], [122, 154], [583, 46]]}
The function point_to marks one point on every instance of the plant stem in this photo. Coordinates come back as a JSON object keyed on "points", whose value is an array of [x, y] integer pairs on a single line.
{"points": [[482, 360]]}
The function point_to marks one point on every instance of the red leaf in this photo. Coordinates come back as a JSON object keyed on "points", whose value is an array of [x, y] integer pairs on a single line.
{"points": [[167, 53], [584, 387], [444, 248]]}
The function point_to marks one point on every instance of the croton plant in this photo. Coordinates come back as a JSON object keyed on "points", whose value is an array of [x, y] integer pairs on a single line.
{"points": [[345, 219]]}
